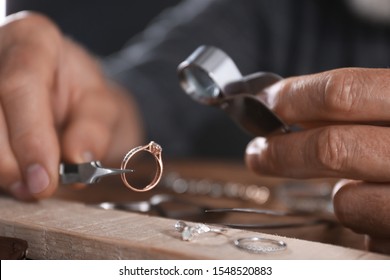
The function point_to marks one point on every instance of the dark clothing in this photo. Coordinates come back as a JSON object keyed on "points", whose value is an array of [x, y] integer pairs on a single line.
{"points": [[101, 26], [282, 36]]}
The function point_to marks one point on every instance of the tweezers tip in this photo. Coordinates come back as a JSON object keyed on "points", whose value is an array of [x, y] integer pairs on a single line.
{"points": [[216, 210], [126, 170]]}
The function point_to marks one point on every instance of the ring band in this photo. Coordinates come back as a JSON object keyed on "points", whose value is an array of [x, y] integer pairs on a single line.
{"points": [[155, 150], [260, 244], [190, 232]]}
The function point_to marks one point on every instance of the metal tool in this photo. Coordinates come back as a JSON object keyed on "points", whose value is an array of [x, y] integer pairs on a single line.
{"points": [[164, 205], [86, 173], [310, 219], [211, 77]]}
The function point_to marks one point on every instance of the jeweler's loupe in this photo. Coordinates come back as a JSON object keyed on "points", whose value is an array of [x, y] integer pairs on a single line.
{"points": [[211, 77]]}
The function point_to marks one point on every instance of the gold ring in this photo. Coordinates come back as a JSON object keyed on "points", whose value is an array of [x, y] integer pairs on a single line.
{"points": [[155, 150]]}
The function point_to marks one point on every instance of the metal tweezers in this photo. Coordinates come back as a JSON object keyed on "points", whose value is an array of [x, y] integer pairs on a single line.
{"points": [[86, 173]]}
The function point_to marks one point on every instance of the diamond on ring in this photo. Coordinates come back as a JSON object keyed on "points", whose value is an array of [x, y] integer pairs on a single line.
{"points": [[155, 150], [188, 233]]}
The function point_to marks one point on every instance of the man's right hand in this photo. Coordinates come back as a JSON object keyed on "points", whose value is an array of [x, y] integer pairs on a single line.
{"points": [[55, 104]]}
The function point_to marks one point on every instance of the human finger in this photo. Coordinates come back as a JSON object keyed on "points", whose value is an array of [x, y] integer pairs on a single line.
{"points": [[341, 95], [379, 245], [10, 177], [90, 127], [364, 208], [26, 78], [352, 151], [93, 110]]}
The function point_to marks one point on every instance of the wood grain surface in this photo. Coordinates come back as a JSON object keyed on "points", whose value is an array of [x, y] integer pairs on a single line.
{"points": [[56, 229], [68, 227]]}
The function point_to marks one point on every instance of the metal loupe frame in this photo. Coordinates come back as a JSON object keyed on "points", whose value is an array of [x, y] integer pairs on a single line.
{"points": [[210, 77]]}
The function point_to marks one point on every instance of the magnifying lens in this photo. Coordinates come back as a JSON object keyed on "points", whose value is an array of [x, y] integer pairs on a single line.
{"points": [[211, 77]]}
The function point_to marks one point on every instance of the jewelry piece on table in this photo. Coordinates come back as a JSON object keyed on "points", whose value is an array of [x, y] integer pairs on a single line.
{"points": [[155, 150], [257, 193], [188, 232], [259, 244]]}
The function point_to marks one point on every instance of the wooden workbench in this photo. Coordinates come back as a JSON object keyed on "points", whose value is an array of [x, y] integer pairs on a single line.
{"points": [[66, 227]]}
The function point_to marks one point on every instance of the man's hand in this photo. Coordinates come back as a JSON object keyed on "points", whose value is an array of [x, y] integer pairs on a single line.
{"points": [[55, 104], [344, 115], [364, 207]]}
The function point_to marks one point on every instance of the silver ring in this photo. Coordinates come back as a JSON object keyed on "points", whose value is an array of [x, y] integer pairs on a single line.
{"points": [[188, 232], [260, 244]]}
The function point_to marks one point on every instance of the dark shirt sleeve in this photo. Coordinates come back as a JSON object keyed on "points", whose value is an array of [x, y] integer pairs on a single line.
{"points": [[147, 68], [282, 36]]}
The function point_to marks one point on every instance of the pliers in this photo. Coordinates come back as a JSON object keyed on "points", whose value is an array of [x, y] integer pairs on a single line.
{"points": [[86, 173]]}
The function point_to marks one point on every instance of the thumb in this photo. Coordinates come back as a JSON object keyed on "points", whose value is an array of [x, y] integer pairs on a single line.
{"points": [[90, 126], [379, 245]]}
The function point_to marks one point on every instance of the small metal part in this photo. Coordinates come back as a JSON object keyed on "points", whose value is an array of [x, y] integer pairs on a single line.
{"points": [[211, 77], [86, 173], [252, 210], [164, 205], [310, 218]]}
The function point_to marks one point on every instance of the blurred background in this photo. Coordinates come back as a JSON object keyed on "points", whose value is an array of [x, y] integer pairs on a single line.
{"points": [[101, 26], [188, 188]]}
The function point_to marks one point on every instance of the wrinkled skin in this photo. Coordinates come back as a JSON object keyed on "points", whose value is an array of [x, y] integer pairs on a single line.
{"points": [[344, 115], [57, 105]]}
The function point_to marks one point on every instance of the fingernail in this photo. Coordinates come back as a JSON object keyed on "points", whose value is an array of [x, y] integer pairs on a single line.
{"points": [[20, 191], [37, 178], [256, 145], [270, 95], [339, 185]]}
